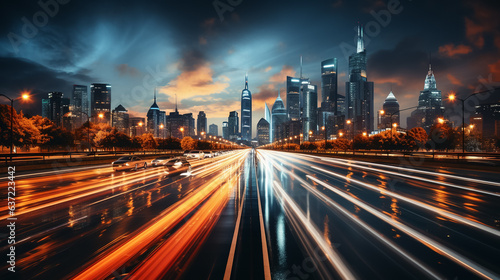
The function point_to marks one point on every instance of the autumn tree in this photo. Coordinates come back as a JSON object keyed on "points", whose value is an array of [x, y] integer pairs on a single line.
{"points": [[418, 136], [188, 143], [148, 141]]}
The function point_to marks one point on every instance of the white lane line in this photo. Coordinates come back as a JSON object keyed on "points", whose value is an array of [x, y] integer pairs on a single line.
{"points": [[265, 253], [429, 242], [419, 204], [230, 260]]}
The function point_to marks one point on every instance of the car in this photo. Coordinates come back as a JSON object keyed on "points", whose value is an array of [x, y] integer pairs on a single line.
{"points": [[186, 153], [177, 166], [160, 160], [209, 154], [129, 163], [196, 154]]}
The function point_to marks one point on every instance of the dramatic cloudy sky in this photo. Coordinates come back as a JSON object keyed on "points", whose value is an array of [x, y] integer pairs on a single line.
{"points": [[191, 49]]}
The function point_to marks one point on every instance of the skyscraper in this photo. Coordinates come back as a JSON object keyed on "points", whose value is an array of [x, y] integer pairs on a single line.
{"points": [[79, 104], [153, 116], [263, 132], [120, 119], [246, 113], [233, 128], [201, 123], [430, 105], [267, 114], [329, 81], [213, 130], [225, 130], [54, 107], [310, 110], [293, 86], [100, 104], [279, 117], [359, 91], [391, 112]]}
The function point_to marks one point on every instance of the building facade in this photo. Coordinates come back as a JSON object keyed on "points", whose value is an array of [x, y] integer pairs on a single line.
{"points": [[391, 112], [201, 124], [120, 119], [100, 103], [293, 86], [263, 132], [225, 130], [55, 107], [80, 104], [329, 82], [233, 125], [213, 130]]}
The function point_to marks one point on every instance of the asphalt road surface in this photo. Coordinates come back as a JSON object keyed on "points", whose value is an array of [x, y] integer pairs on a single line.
{"points": [[256, 214]]}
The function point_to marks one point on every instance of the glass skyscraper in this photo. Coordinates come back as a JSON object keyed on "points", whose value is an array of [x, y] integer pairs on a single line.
{"points": [[293, 86], [246, 113], [278, 119], [79, 104], [100, 103], [232, 125], [430, 105], [329, 81], [359, 91]]}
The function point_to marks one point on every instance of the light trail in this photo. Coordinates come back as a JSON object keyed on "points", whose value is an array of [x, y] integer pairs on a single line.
{"points": [[424, 206], [416, 171], [374, 233], [151, 232], [454, 256]]}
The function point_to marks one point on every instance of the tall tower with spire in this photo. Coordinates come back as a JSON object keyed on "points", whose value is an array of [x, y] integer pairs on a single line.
{"points": [[430, 104], [246, 112], [359, 91]]}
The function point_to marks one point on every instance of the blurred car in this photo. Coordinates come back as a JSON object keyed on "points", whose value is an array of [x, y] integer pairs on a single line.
{"points": [[186, 153], [209, 154], [196, 154], [160, 160], [129, 163], [177, 166]]}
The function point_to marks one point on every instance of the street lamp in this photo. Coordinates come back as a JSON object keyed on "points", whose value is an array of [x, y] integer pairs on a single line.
{"points": [[24, 96], [324, 129], [452, 98], [380, 114], [300, 139], [182, 130]]}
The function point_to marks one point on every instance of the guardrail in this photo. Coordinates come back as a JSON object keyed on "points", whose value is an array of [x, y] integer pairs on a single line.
{"points": [[52, 155], [451, 155]]}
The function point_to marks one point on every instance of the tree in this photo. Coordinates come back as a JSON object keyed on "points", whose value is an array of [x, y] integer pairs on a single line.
{"points": [[203, 145], [57, 138], [188, 143], [116, 139], [442, 137], [418, 136], [148, 141]]}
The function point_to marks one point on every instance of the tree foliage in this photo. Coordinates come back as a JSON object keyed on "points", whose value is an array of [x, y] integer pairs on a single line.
{"points": [[188, 143]]}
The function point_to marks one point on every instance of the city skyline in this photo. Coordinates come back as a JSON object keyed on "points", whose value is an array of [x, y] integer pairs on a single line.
{"points": [[203, 73]]}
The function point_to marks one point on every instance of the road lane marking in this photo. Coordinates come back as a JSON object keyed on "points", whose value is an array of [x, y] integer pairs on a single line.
{"points": [[230, 260], [265, 253]]}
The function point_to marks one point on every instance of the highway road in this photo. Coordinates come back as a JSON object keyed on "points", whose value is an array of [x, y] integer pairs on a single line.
{"points": [[257, 214]]}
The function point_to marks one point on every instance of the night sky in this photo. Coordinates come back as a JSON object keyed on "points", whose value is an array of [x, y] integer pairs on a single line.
{"points": [[187, 48]]}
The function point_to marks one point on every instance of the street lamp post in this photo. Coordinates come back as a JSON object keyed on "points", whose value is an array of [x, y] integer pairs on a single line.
{"points": [[324, 129], [380, 114], [452, 97], [182, 130], [25, 97]]}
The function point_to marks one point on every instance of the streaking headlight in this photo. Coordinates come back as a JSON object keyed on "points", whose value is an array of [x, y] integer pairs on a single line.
{"points": [[126, 164]]}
